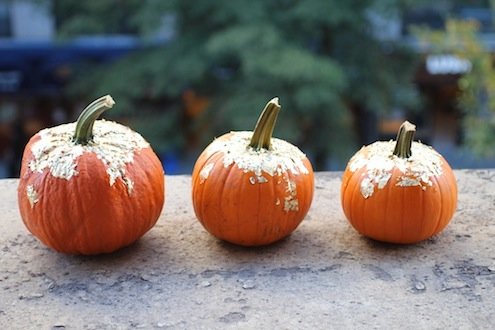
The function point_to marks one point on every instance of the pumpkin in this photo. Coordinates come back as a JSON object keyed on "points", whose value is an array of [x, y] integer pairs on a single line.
{"points": [[251, 189], [90, 187], [399, 192]]}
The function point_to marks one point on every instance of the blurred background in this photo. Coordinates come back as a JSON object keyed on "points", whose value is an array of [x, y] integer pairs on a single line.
{"points": [[182, 72]]}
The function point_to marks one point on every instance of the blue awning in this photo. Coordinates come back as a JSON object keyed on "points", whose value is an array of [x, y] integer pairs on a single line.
{"points": [[43, 67]]}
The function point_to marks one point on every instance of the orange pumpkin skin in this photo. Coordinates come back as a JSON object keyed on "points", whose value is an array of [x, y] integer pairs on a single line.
{"points": [[95, 201], [250, 207], [401, 204]]}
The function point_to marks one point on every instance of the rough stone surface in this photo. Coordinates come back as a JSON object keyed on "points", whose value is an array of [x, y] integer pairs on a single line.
{"points": [[323, 276]]}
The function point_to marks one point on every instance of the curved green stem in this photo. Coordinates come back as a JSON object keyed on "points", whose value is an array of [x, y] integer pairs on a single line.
{"points": [[263, 131], [86, 120], [404, 140]]}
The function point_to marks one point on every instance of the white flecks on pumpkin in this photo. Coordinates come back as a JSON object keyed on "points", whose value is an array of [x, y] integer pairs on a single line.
{"points": [[32, 195], [261, 179], [205, 172], [367, 187], [406, 181], [113, 144], [280, 158], [290, 202], [129, 184], [374, 178], [257, 179], [379, 161]]}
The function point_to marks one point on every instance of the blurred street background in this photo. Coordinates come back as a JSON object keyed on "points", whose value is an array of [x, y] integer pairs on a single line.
{"points": [[183, 72]]}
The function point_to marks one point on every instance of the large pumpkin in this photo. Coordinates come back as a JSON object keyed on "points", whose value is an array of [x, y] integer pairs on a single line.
{"points": [[399, 192], [251, 189], [90, 187]]}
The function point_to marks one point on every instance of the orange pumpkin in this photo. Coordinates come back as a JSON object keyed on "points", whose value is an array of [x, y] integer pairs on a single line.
{"points": [[399, 192], [90, 187], [251, 189]]}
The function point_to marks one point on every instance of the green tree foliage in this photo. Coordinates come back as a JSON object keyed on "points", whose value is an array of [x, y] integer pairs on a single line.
{"points": [[477, 87], [321, 58]]}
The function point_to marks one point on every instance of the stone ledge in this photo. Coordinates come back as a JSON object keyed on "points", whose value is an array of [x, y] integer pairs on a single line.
{"points": [[323, 276]]}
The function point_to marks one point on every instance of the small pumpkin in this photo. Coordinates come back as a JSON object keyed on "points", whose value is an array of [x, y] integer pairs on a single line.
{"points": [[399, 192], [251, 189], [90, 187]]}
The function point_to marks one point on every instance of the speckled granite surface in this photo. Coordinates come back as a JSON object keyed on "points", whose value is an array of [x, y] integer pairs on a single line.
{"points": [[323, 276]]}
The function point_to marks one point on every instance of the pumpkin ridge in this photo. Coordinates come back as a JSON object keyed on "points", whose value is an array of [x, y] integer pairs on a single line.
{"points": [[272, 211], [310, 188], [205, 160], [239, 218], [302, 192], [362, 213], [346, 203], [422, 218], [262, 215], [453, 194], [442, 215], [83, 233], [226, 178], [197, 194], [308, 192], [35, 223], [352, 213], [345, 186], [151, 189], [403, 211], [206, 208], [439, 216], [386, 210], [204, 186]]}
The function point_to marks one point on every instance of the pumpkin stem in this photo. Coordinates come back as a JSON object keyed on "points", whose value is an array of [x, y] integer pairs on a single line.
{"points": [[404, 140], [263, 131], [86, 120]]}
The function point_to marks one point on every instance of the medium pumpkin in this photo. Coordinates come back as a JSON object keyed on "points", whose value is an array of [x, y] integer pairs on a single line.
{"points": [[399, 192], [251, 189], [90, 187]]}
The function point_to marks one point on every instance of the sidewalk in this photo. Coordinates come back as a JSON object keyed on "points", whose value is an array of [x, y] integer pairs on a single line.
{"points": [[324, 276]]}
